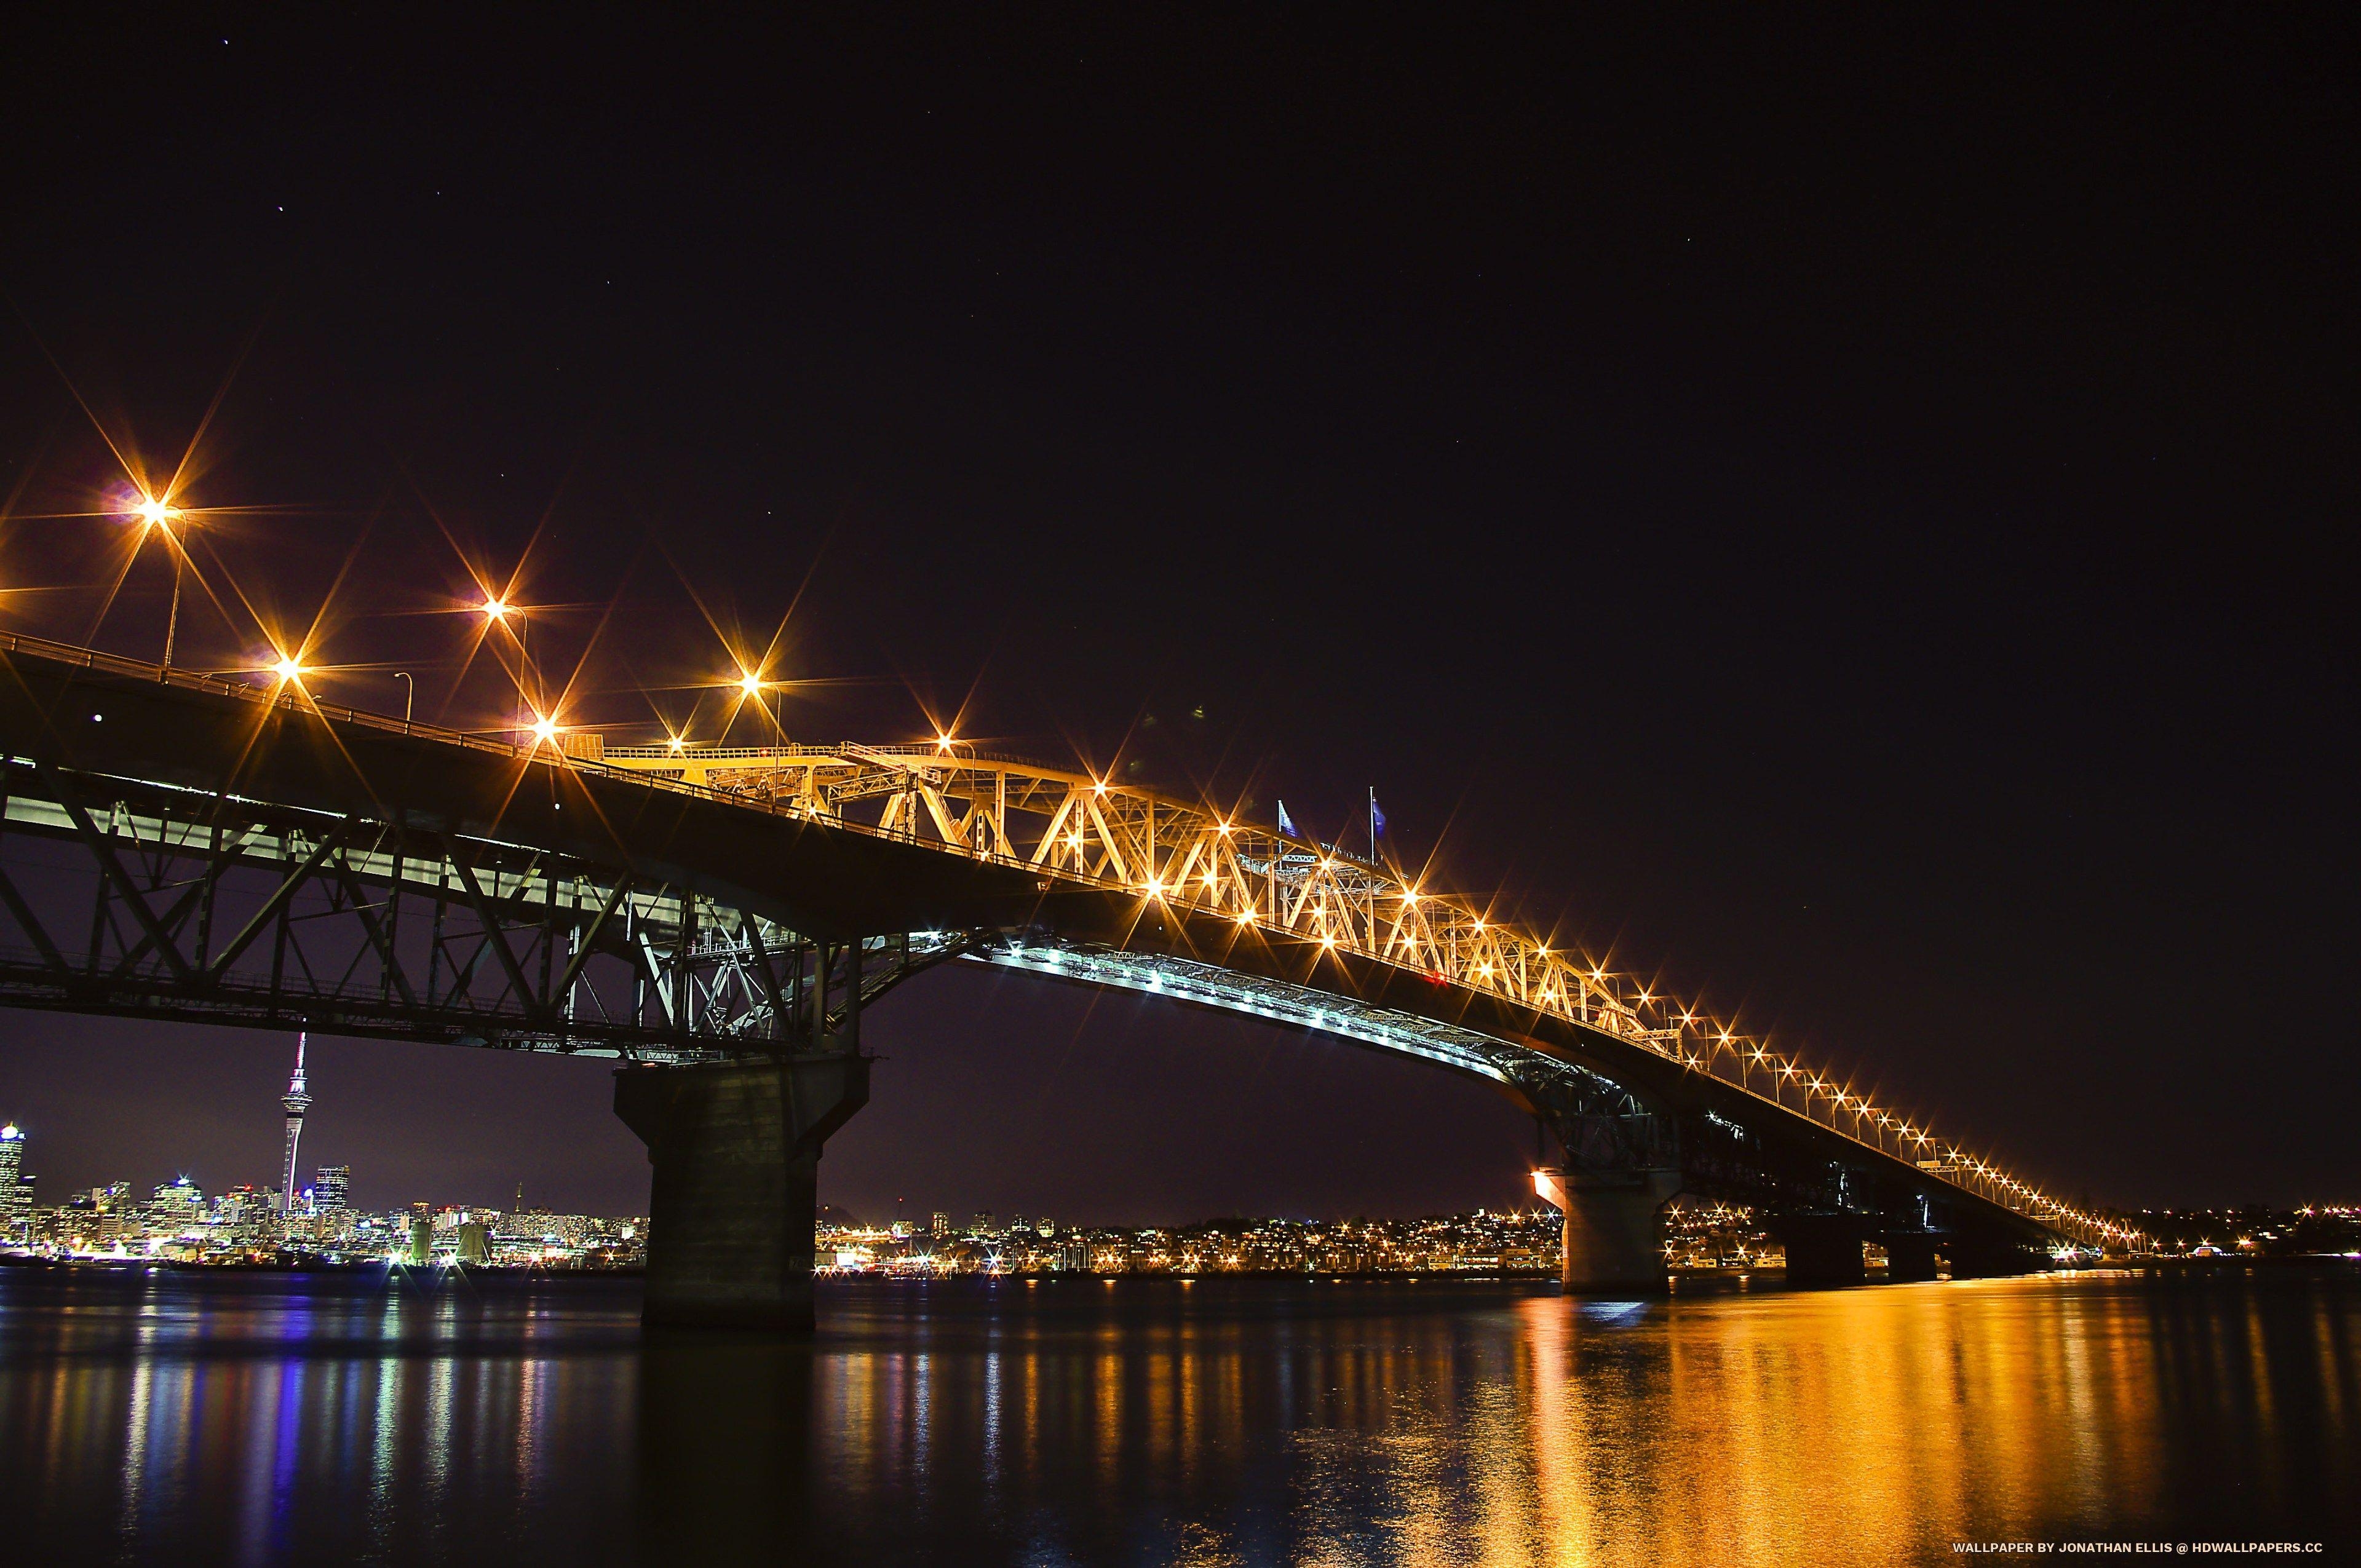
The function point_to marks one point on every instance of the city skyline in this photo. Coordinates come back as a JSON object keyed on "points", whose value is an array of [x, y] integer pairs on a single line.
{"points": [[243, 1225]]}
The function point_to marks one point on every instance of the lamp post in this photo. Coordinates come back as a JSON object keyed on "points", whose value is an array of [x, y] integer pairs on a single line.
{"points": [[408, 697], [172, 621], [496, 612], [750, 687], [153, 514]]}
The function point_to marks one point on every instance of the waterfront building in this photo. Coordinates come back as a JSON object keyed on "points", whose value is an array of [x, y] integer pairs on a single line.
{"points": [[177, 1208], [15, 1187], [331, 1188], [941, 1223], [242, 1215]]}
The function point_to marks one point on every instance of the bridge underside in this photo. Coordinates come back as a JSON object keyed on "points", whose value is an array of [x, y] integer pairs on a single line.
{"points": [[172, 854], [1628, 1141], [138, 899]]}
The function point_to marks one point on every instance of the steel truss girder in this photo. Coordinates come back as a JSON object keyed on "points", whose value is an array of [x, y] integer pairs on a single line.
{"points": [[633, 981], [191, 905], [1078, 830], [1072, 826]]}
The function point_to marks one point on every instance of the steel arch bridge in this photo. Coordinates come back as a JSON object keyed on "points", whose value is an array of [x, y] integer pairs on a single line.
{"points": [[182, 845]]}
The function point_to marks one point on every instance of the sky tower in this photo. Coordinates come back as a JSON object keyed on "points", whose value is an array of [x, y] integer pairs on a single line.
{"points": [[297, 1101]]}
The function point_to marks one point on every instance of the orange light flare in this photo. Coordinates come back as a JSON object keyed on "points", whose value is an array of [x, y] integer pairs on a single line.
{"points": [[149, 510], [752, 686], [501, 624]]}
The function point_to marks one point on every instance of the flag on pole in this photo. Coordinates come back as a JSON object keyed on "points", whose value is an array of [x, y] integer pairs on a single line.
{"points": [[1286, 823], [1377, 822]]}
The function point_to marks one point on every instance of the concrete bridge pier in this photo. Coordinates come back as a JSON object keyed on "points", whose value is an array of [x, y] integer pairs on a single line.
{"points": [[1613, 1238], [1976, 1257], [1909, 1256], [1822, 1249], [736, 1150]]}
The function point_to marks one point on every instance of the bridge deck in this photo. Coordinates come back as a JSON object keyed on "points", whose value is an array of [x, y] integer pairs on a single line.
{"points": [[798, 858]]}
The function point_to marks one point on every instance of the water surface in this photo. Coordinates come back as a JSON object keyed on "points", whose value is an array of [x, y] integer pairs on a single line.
{"points": [[177, 1418]]}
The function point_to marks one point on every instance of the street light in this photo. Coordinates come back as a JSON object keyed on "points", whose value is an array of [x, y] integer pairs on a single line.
{"points": [[154, 513], [496, 612], [408, 697], [749, 683]]}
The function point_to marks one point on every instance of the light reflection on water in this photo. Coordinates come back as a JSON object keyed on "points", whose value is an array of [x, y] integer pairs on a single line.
{"points": [[261, 1419]]}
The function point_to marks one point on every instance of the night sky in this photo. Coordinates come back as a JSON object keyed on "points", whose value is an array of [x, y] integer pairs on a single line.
{"points": [[1847, 515]]}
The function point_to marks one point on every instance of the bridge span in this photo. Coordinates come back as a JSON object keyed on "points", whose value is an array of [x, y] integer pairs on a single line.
{"points": [[188, 847]]}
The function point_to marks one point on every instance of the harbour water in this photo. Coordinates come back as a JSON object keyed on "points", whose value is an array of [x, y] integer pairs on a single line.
{"points": [[250, 1419]]}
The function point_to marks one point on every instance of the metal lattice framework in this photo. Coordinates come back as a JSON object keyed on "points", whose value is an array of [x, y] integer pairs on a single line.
{"points": [[522, 948], [145, 899], [1078, 827]]}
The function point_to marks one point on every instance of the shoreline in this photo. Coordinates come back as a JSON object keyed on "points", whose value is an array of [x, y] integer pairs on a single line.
{"points": [[125, 1265]]}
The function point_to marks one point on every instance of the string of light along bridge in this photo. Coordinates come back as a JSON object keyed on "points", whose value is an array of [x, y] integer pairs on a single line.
{"points": [[1195, 857]]}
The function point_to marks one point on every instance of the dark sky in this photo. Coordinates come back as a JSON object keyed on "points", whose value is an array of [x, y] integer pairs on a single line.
{"points": [[1846, 512]]}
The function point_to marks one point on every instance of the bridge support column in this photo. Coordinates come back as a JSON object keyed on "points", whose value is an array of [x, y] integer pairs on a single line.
{"points": [[1977, 1258], [1613, 1239], [736, 1151], [1909, 1256], [1822, 1249]]}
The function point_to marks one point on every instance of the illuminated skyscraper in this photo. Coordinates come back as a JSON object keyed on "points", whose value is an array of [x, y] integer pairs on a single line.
{"points": [[297, 1100], [15, 1191], [177, 1208], [331, 1188]]}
